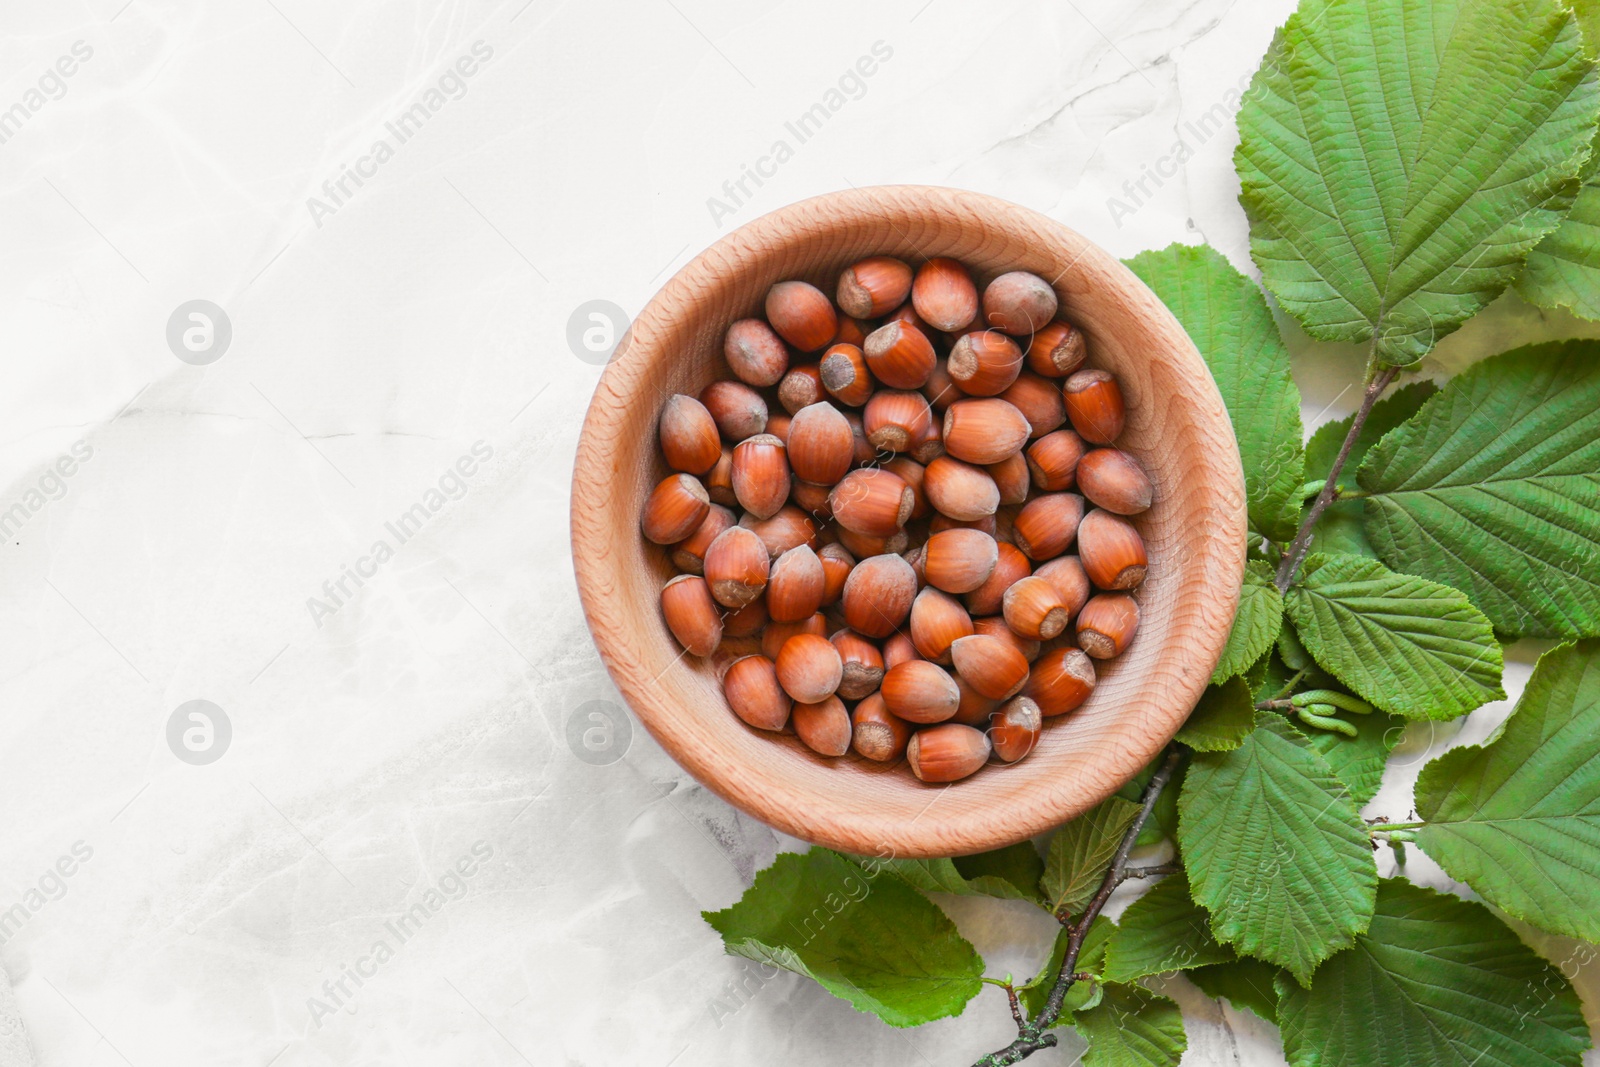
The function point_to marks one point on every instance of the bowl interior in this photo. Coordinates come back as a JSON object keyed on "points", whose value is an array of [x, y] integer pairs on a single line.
{"points": [[1195, 533]]}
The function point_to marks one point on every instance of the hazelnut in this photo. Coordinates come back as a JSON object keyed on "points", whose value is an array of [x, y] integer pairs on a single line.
{"points": [[1047, 525], [850, 332], [1019, 302], [863, 664], [991, 666], [984, 362], [937, 620], [1056, 350], [919, 691], [688, 435], [989, 524], [809, 668], [871, 502], [943, 294], [755, 354], [812, 499], [796, 584], [974, 708], [691, 615], [1014, 730], [878, 735], [747, 621], [1107, 624], [824, 726], [984, 430], [1114, 480], [737, 567], [899, 355], [802, 314], [959, 561], [837, 563], [738, 410], [751, 686], [719, 483], [947, 753], [897, 649], [801, 387], [1053, 460], [761, 475], [845, 375], [878, 595], [1040, 401], [1012, 478], [1111, 550], [675, 508], [873, 287], [915, 475], [1061, 680], [895, 419], [820, 448], [962, 491], [1033, 609], [1094, 404]]}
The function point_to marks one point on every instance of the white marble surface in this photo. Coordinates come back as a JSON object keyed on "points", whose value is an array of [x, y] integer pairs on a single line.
{"points": [[377, 746]]}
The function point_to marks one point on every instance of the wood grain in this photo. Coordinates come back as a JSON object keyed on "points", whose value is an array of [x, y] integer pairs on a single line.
{"points": [[1195, 533]]}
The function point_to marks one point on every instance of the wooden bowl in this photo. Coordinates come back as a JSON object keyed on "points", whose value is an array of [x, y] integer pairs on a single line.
{"points": [[1177, 427]]}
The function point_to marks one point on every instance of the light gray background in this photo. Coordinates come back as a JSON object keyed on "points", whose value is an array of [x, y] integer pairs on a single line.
{"points": [[372, 347]]}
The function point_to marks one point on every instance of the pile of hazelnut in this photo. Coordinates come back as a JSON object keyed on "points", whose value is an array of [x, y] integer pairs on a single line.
{"points": [[909, 511]]}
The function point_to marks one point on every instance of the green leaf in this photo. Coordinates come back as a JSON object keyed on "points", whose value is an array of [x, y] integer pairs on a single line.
{"points": [[1164, 930], [1019, 864], [1518, 818], [1249, 985], [1225, 714], [1227, 318], [1564, 270], [1436, 981], [1398, 161], [1275, 849], [1091, 959], [1256, 625], [1132, 1027], [1494, 488], [1358, 761], [1342, 527], [875, 942], [1010, 873], [1080, 852], [1294, 654], [1588, 13], [1410, 646]]}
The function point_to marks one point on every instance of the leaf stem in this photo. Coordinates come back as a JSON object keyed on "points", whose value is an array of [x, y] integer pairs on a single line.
{"points": [[1302, 541], [1153, 871], [1288, 687], [1034, 1035], [1385, 827]]}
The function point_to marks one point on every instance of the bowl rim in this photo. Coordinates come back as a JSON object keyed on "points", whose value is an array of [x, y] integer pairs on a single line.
{"points": [[822, 819]]}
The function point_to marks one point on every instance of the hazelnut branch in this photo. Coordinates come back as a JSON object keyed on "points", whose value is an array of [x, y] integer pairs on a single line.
{"points": [[1330, 488], [1034, 1035]]}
